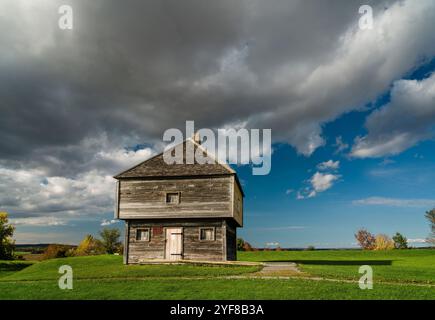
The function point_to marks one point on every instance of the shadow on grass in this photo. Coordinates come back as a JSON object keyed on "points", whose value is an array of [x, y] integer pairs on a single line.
{"points": [[5, 266], [340, 262]]}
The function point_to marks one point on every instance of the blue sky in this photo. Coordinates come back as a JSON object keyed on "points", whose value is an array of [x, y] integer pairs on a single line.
{"points": [[331, 218], [275, 215]]}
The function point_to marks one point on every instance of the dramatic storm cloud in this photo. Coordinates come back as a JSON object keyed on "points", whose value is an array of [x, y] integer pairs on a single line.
{"points": [[77, 106]]}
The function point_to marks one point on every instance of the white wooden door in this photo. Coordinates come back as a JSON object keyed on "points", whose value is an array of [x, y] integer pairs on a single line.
{"points": [[174, 243]]}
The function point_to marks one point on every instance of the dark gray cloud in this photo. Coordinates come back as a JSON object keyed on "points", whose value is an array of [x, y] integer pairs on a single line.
{"points": [[137, 68]]}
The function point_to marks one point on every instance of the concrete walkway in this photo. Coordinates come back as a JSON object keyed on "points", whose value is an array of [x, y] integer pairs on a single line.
{"points": [[278, 269], [269, 269]]}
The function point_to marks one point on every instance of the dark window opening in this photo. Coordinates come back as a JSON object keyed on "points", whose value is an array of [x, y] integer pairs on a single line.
{"points": [[173, 198], [143, 234], [207, 234]]}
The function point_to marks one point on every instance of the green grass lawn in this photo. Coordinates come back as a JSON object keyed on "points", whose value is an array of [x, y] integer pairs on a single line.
{"points": [[105, 277], [106, 266], [208, 289], [8, 268], [401, 266]]}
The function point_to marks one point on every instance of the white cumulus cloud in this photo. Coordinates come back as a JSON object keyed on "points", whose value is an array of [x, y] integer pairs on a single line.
{"points": [[416, 240], [395, 202], [323, 181], [329, 165], [319, 182], [108, 222], [408, 119]]}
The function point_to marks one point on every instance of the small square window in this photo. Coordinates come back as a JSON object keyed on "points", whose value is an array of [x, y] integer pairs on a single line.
{"points": [[206, 234], [173, 198], [143, 234]]}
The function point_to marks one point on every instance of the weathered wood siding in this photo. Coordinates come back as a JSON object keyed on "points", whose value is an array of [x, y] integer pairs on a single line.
{"points": [[193, 248], [237, 203], [116, 208], [199, 197]]}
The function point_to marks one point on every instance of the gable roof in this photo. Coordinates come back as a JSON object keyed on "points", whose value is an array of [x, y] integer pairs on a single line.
{"points": [[157, 167]]}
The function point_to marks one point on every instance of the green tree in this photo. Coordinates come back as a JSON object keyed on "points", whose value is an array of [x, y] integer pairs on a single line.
{"points": [[400, 241], [110, 240], [430, 216], [6, 243], [240, 244]]}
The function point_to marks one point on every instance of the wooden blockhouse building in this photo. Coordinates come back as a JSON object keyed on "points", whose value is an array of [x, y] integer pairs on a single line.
{"points": [[180, 211]]}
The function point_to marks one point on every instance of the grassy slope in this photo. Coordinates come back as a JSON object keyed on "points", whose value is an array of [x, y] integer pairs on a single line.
{"points": [[401, 266], [104, 277], [96, 267], [10, 267]]}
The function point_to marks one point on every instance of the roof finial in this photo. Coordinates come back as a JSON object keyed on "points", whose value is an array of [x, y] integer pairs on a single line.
{"points": [[197, 137]]}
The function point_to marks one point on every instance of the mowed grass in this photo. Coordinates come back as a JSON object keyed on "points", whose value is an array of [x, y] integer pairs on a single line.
{"points": [[11, 267], [220, 289], [397, 266], [108, 266], [105, 277]]}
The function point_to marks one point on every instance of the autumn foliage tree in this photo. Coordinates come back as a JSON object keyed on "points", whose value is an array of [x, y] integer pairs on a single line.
{"points": [[6, 242], [430, 216], [54, 251], [89, 246], [365, 239], [383, 242], [247, 247], [243, 245]]}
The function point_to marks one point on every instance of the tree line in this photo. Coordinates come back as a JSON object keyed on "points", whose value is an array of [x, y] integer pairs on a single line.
{"points": [[368, 241], [107, 243]]}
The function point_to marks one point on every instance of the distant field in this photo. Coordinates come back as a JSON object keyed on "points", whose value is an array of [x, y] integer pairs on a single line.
{"points": [[30, 252], [407, 274]]}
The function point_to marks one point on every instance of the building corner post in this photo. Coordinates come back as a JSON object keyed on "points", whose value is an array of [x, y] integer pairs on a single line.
{"points": [[126, 241]]}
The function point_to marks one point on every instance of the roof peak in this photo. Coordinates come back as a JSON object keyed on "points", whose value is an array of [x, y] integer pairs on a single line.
{"points": [[157, 167]]}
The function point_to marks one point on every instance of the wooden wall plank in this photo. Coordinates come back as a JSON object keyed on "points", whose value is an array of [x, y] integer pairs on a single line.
{"points": [[237, 203], [202, 197], [193, 248]]}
